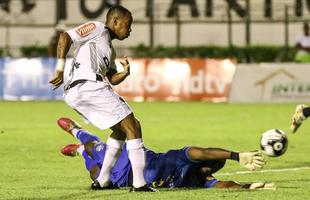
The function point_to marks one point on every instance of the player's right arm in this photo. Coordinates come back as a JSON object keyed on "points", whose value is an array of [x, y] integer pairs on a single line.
{"points": [[251, 160], [63, 46]]}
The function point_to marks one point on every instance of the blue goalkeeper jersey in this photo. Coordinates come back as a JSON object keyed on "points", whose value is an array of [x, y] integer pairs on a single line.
{"points": [[171, 169]]}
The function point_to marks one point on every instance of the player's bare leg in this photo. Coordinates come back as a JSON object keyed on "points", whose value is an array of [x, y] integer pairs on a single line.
{"points": [[114, 146], [131, 126], [302, 111]]}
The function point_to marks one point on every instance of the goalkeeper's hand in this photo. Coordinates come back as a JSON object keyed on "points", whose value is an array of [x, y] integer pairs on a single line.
{"points": [[262, 186], [251, 160]]}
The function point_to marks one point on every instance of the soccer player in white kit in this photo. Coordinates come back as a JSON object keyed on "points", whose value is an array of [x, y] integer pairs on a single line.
{"points": [[89, 92]]}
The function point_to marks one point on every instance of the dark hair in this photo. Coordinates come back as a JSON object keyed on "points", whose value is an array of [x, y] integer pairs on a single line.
{"points": [[117, 9]]}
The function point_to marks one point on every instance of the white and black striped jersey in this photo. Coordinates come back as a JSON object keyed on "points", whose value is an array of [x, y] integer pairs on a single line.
{"points": [[93, 51]]}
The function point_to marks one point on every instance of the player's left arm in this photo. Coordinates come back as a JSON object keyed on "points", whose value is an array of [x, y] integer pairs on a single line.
{"points": [[115, 77], [229, 184], [250, 186]]}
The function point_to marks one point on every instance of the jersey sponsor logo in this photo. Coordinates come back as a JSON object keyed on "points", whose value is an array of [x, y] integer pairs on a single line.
{"points": [[86, 29]]}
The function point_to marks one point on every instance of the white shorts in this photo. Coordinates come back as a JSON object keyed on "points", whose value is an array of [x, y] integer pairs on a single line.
{"points": [[98, 103]]}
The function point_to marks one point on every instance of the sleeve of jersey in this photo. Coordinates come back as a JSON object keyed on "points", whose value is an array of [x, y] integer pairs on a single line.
{"points": [[85, 32]]}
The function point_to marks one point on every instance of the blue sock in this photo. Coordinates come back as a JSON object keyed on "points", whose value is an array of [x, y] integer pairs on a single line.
{"points": [[85, 136]]}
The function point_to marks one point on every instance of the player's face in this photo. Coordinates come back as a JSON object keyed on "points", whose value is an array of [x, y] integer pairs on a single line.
{"points": [[123, 27]]}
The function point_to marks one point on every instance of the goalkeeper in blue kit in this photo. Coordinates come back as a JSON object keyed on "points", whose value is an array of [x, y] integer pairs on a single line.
{"points": [[186, 167]]}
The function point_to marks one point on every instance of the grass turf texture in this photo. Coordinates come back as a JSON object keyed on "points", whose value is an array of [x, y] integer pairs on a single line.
{"points": [[33, 168]]}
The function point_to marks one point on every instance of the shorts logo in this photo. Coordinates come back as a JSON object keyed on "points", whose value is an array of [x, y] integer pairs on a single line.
{"points": [[86, 29], [99, 148]]}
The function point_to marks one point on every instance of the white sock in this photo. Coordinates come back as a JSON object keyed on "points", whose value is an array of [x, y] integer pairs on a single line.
{"points": [[80, 149], [136, 156], [74, 131], [112, 153]]}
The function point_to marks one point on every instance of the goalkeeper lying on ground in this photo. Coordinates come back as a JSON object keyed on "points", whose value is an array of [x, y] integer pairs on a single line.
{"points": [[187, 167]]}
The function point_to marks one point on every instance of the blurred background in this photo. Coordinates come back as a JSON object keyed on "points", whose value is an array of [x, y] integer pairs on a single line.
{"points": [[214, 50]]}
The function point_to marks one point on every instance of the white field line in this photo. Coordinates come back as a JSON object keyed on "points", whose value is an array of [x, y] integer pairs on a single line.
{"points": [[263, 171]]}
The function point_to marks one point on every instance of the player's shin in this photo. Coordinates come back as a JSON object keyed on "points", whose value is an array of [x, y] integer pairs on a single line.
{"points": [[136, 156], [111, 156]]}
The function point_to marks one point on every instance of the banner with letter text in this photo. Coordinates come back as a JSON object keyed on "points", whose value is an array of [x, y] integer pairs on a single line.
{"points": [[150, 79], [27, 79], [178, 79], [274, 82]]}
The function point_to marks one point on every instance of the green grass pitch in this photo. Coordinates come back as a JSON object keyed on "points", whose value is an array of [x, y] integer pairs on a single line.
{"points": [[33, 168]]}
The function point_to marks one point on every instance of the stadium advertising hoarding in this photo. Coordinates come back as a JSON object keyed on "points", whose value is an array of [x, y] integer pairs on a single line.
{"points": [[27, 79], [286, 82], [178, 79], [150, 79]]}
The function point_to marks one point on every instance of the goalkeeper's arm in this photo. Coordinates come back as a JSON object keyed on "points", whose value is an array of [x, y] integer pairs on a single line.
{"points": [[250, 160], [250, 186]]}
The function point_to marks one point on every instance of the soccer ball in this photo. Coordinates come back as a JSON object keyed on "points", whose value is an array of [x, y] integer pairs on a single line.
{"points": [[273, 142]]}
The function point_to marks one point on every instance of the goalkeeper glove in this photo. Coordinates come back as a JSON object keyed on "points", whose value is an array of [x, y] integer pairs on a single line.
{"points": [[262, 186], [251, 160]]}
